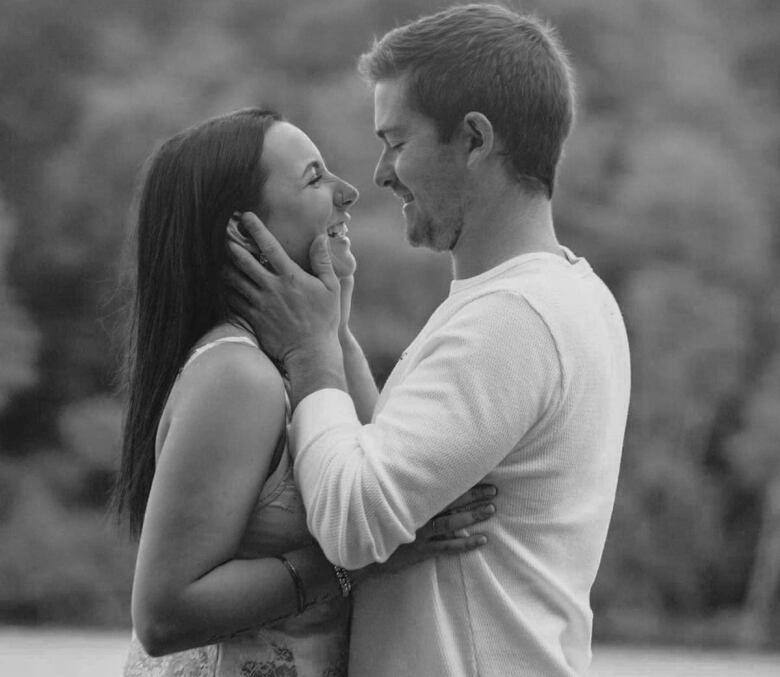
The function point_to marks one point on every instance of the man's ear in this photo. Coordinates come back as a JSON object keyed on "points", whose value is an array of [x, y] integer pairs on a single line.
{"points": [[479, 136]]}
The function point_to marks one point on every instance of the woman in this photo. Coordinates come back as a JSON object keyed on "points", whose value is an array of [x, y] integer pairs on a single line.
{"points": [[228, 580]]}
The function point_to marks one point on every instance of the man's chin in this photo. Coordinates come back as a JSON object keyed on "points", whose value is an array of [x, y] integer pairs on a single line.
{"points": [[415, 236], [430, 238]]}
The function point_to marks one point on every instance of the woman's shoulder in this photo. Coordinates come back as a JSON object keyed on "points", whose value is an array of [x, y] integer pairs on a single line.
{"points": [[227, 387], [233, 350], [227, 361]]}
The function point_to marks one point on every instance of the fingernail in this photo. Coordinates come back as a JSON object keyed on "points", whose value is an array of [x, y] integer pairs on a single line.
{"points": [[482, 540], [489, 509]]}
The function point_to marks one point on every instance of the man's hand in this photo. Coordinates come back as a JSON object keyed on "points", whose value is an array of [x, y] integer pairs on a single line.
{"points": [[294, 315], [344, 263]]}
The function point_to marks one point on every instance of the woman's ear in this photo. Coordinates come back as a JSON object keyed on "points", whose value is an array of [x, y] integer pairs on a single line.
{"points": [[479, 136]]}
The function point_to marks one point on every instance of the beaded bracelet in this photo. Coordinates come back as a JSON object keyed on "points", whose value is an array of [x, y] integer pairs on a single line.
{"points": [[344, 581], [299, 589]]}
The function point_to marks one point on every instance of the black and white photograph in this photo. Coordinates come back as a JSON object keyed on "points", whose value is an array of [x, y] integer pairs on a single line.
{"points": [[367, 338]]}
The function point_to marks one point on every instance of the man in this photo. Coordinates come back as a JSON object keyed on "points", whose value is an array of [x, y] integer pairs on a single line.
{"points": [[519, 379]]}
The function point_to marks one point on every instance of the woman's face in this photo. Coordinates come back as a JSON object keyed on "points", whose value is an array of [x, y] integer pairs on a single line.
{"points": [[301, 198]]}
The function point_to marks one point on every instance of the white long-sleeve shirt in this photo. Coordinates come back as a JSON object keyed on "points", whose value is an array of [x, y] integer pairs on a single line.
{"points": [[520, 378]]}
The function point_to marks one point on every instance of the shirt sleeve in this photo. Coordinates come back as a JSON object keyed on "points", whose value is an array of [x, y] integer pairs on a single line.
{"points": [[481, 382]]}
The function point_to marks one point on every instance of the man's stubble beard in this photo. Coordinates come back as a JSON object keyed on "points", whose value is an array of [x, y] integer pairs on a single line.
{"points": [[439, 235]]}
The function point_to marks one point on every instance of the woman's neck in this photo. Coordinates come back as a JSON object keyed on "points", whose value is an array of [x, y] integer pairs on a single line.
{"points": [[240, 323]]}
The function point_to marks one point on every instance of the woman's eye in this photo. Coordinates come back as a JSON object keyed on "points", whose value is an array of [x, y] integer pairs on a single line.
{"points": [[397, 146], [315, 180]]}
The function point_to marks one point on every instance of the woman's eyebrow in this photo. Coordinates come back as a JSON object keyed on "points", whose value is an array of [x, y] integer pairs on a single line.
{"points": [[314, 164]]}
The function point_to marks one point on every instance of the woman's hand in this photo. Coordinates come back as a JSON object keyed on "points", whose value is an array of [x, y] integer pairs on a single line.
{"points": [[445, 533]]}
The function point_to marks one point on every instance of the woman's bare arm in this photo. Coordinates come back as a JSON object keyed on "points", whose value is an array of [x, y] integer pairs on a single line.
{"points": [[189, 588]]}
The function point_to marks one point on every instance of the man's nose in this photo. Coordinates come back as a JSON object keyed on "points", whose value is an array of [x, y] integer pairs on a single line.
{"points": [[384, 174]]}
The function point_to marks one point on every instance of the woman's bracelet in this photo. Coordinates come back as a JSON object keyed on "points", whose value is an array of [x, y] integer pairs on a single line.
{"points": [[299, 589], [344, 581]]}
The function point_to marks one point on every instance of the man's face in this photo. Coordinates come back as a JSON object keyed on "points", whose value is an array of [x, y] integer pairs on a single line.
{"points": [[426, 174]]}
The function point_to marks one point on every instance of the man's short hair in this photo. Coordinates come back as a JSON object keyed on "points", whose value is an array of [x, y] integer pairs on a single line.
{"points": [[488, 59]]}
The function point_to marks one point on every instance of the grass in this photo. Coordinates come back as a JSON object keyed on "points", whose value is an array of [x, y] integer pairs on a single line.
{"points": [[73, 653]]}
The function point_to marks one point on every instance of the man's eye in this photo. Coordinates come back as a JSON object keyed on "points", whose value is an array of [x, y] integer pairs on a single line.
{"points": [[317, 178], [397, 146]]}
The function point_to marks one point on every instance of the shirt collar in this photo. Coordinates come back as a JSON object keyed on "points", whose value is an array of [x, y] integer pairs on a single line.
{"points": [[568, 258]]}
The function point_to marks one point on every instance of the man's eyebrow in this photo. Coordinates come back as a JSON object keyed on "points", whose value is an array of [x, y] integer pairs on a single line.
{"points": [[382, 133]]}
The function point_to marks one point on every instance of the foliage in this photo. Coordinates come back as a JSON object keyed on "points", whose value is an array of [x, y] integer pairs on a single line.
{"points": [[668, 188], [60, 563], [18, 336]]}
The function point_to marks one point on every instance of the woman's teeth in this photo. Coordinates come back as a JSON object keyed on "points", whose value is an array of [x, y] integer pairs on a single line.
{"points": [[338, 230]]}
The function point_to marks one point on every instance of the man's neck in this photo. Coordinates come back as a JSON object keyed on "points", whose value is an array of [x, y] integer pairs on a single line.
{"points": [[506, 227]]}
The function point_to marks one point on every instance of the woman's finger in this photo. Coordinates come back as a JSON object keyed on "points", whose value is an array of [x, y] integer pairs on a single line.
{"points": [[455, 545], [477, 494], [443, 525]]}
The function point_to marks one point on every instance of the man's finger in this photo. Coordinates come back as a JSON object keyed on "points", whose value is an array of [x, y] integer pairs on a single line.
{"points": [[240, 306], [241, 284], [249, 265], [321, 262], [267, 243]]}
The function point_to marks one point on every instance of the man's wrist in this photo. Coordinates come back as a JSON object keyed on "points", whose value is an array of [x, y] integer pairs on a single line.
{"points": [[315, 367], [347, 286], [347, 339], [347, 283]]}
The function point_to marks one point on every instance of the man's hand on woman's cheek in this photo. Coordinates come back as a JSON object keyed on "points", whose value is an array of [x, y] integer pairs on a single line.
{"points": [[291, 311]]}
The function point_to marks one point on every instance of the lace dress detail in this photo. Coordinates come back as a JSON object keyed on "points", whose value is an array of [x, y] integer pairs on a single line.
{"points": [[311, 644], [194, 663]]}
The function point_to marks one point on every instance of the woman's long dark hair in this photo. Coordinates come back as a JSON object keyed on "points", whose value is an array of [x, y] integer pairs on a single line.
{"points": [[193, 183]]}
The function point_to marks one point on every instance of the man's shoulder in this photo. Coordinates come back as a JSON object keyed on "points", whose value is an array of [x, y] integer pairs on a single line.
{"points": [[541, 294], [551, 286], [536, 299], [502, 314], [535, 284]]}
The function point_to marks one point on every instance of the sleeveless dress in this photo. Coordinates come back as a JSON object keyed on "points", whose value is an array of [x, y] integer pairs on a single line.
{"points": [[311, 644]]}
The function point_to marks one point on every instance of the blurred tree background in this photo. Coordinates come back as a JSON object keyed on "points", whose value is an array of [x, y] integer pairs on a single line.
{"points": [[669, 188]]}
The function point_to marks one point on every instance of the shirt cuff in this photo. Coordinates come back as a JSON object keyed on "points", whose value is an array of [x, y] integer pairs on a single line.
{"points": [[318, 412]]}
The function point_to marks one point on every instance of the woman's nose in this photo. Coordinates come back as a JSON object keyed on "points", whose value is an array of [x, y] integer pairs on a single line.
{"points": [[346, 195]]}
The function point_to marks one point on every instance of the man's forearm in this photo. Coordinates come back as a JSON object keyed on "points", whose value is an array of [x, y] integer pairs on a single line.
{"points": [[320, 366], [362, 387]]}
